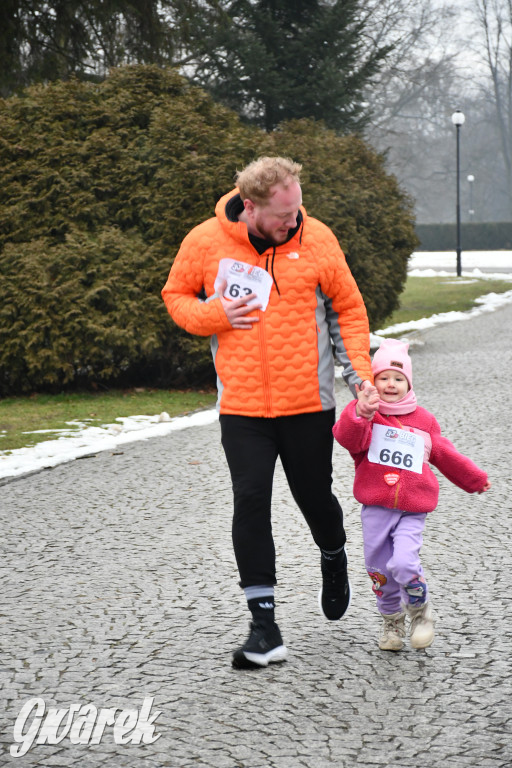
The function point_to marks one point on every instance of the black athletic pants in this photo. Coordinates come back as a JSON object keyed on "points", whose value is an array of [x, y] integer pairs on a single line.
{"points": [[304, 443]]}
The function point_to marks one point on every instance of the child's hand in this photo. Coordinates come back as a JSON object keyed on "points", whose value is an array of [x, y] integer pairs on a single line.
{"points": [[486, 487], [367, 400]]}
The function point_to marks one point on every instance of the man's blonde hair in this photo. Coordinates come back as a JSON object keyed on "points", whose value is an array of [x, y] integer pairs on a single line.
{"points": [[256, 179]]}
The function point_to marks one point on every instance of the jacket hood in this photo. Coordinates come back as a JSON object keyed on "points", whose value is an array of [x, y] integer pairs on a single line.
{"points": [[238, 230]]}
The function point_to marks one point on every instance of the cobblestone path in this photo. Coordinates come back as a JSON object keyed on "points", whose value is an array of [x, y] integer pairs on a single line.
{"points": [[119, 584]]}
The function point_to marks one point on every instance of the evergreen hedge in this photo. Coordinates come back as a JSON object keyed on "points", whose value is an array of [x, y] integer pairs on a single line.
{"points": [[475, 236], [99, 185]]}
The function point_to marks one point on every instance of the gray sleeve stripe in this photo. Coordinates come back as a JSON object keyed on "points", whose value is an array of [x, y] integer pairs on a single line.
{"points": [[328, 323]]}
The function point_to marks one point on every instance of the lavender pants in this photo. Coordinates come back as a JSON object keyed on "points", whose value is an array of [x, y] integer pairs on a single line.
{"points": [[392, 541]]}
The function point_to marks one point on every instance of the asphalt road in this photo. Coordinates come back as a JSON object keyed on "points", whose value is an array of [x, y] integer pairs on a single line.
{"points": [[119, 585]]}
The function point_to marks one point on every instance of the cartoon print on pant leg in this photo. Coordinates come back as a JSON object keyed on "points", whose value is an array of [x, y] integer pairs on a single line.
{"points": [[416, 590], [378, 580]]}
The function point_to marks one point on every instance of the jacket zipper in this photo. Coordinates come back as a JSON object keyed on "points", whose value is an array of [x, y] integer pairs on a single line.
{"points": [[395, 505], [265, 368], [398, 484], [267, 397]]}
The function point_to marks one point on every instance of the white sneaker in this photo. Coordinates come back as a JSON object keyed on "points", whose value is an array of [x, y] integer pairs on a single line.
{"points": [[422, 625], [392, 632]]}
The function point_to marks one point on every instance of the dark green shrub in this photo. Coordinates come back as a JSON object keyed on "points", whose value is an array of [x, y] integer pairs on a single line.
{"points": [[99, 185]]}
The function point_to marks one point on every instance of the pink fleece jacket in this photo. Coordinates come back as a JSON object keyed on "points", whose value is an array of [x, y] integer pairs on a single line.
{"points": [[384, 486]]}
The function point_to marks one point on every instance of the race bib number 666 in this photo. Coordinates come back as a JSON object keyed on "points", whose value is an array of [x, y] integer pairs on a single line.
{"points": [[396, 448]]}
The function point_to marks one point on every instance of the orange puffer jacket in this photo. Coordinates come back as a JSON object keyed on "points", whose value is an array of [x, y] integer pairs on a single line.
{"points": [[284, 365]]}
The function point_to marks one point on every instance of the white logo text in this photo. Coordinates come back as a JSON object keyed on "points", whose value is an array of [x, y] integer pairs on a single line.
{"points": [[82, 724]]}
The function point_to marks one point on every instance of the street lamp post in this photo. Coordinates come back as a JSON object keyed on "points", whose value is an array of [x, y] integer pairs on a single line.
{"points": [[471, 179], [458, 119]]}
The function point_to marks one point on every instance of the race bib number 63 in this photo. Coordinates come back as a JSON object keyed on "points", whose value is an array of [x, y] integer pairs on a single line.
{"points": [[396, 448], [243, 279]]}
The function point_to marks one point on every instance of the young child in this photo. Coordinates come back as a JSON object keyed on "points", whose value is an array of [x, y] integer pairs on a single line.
{"points": [[391, 439]]}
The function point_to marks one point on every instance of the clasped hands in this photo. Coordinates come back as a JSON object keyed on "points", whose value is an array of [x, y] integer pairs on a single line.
{"points": [[367, 400]]}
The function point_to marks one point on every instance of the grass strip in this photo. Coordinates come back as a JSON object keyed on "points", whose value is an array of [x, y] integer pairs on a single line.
{"points": [[427, 296], [21, 415]]}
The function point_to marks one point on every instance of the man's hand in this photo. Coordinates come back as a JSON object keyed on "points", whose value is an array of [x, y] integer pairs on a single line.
{"points": [[367, 400], [237, 310], [485, 488]]}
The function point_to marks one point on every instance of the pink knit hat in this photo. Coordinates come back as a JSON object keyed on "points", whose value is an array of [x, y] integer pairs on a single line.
{"points": [[392, 356]]}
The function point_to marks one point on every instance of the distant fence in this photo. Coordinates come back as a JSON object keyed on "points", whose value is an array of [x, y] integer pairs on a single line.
{"points": [[487, 236]]}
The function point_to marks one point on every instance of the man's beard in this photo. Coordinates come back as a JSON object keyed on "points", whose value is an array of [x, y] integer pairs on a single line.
{"points": [[271, 238]]}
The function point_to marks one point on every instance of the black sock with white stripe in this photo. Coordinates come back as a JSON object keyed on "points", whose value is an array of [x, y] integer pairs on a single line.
{"points": [[261, 604]]}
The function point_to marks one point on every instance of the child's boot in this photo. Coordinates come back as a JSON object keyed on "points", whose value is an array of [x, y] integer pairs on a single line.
{"points": [[392, 632], [422, 625]]}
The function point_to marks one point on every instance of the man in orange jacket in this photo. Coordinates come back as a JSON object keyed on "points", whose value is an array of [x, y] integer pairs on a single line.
{"points": [[280, 298]]}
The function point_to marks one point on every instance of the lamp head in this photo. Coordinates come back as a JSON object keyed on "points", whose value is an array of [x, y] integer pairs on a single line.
{"points": [[458, 118]]}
